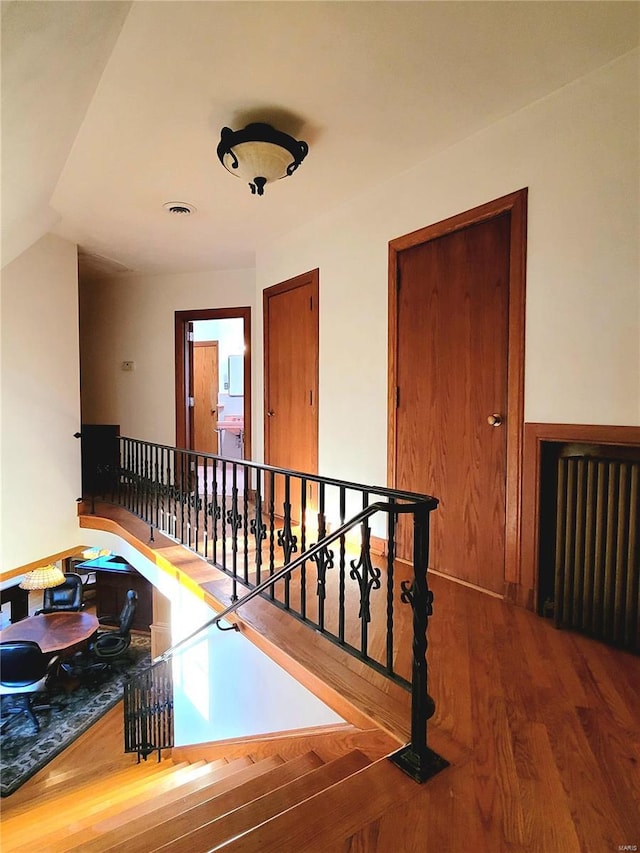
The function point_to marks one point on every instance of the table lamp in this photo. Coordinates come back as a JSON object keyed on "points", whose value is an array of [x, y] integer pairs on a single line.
{"points": [[43, 578]]}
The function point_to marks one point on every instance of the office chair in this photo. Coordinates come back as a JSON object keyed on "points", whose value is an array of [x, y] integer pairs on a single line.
{"points": [[65, 597], [107, 646], [110, 645], [24, 672]]}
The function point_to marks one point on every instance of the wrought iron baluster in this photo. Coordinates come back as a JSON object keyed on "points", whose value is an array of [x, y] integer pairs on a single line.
{"points": [[391, 551], [258, 527], [182, 487], [323, 560], [140, 480], [342, 579], [303, 546], [169, 510], [235, 523], [215, 510], [196, 501], [368, 579], [286, 538], [148, 484], [272, 528], [223, 536], [205, 507], [245, 521]]}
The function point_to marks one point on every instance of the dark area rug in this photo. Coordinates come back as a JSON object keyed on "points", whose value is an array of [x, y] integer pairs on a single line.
{"points": [[23, 752]]}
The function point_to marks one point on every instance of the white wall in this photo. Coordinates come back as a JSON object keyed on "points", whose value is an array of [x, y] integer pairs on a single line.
{"points": [[577, 151], [40, 478], [132, 319]]}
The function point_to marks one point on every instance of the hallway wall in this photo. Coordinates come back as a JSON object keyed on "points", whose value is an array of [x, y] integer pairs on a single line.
{"points": [[40, 458], [577, 152]]}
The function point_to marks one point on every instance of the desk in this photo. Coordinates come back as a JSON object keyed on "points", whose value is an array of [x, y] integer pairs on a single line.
{"points": [[19, 599], [114, 576], [53, 632]]}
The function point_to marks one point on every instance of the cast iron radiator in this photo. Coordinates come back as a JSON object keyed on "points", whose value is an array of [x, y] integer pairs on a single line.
{"points": [[597, 548]]}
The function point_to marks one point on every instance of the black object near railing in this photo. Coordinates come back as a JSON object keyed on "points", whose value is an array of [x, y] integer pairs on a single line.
{"points": [[271, 530]]}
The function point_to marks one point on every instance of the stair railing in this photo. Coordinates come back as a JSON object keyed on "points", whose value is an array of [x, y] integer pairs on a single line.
{"points": [[228, 511]]}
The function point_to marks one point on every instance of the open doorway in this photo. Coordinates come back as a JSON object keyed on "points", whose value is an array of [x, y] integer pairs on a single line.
{"points": [[213, 381]]}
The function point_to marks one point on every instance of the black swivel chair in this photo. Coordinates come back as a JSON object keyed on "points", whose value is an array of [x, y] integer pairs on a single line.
{"points": [[106, 647], [24, 673], [65, 597], [110, 645]]}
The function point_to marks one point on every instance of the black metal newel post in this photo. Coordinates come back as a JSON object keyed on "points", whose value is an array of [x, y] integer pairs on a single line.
{"points": [[416, 759]]}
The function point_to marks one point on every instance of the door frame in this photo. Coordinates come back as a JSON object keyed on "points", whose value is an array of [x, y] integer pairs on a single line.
{"points": [[207, 345], [183, 370], [312, 277], [516, 204]]}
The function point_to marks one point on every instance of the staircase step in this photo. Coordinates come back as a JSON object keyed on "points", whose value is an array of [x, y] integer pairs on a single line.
{"points": [[244, 818], [143, 811], [62, 781], [99, 750], [172, 785], [167, 829], [321, 822], [58, 812], [76, 788], [123, 830]]}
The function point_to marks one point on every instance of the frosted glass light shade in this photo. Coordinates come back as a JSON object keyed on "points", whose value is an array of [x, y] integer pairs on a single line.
{"points": [[258, 159], [260, 154], [43, 578]]}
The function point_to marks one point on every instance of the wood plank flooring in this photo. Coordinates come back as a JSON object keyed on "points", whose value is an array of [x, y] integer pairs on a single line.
{"points": [[541, 726]]}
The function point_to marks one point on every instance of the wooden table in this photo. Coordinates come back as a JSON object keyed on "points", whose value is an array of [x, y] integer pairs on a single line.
{"points": [[53, 632]]}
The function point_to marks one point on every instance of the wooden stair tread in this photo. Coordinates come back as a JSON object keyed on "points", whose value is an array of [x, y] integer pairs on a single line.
{"points": [[252, 786], [144, 813], [255, 812], [55, 813], [64, 780], [184, 781], [374, 742], [97, 750], [75, 790], [125, 830], [333, 814]]}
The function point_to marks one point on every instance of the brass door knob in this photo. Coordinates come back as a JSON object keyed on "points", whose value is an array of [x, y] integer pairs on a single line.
{"points": [[494, 420], [270, 414]]}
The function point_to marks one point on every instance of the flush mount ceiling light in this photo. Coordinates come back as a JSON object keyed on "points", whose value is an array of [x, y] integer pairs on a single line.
{"points": [[260, 154]]}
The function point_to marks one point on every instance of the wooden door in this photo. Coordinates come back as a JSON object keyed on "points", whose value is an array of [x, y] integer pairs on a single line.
{"points": [[205, 387], [452, 408], [291, 378]]}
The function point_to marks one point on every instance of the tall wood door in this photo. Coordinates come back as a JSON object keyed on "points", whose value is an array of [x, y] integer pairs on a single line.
{"points": [[205, 388], [291, 379], [452, 405]]}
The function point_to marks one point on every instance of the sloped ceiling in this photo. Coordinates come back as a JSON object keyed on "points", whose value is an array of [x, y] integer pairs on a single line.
{"points": [[112, 109]]}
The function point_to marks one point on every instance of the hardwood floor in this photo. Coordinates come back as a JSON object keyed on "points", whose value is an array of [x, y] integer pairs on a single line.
{"points": [[541, 727]]}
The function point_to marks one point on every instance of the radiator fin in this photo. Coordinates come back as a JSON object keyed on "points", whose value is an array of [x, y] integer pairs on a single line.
{"points": [[597, 548]]}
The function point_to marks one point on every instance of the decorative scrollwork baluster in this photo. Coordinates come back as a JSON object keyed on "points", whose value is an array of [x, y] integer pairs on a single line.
{"points": [[258, 530], [323, 559], [234, 518], [287, 540], [366, 574]]}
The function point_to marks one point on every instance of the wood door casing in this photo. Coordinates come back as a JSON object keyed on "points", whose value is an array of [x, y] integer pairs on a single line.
{"points": [[456, 347], [291, 375], [184, 372], [205, 393]]}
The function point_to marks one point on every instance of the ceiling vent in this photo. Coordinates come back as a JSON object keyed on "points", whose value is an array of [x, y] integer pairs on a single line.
{"points": [[179, 208]]}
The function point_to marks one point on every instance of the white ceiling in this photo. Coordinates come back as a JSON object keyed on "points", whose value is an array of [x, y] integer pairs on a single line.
{"points": [[111, 109]]}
